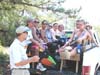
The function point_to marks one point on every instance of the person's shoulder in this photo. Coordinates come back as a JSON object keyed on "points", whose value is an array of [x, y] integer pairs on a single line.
{"points": [[33, 29], [14, 43], [28, 29]]}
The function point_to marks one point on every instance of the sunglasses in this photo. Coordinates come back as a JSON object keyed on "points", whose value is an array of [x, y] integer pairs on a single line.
{"points": [[36, 22]]}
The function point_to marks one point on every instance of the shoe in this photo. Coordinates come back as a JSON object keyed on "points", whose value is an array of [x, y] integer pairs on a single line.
{"points": [[40, 67]]}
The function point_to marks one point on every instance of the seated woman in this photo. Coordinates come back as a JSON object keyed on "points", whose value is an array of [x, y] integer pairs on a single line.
{"points": [[61, 30], [43, 31], [79, 35], [54, 31], [35, 30]]}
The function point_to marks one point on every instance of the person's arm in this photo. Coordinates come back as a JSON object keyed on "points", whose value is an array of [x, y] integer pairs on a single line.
{"points": [[35, 35], [24, 62], [43, 36], [68, 42]]}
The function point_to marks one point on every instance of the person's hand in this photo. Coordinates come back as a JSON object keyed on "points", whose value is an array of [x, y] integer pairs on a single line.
{"points": [[66, 44], [61, 49], [42, 48], [35, 59]]}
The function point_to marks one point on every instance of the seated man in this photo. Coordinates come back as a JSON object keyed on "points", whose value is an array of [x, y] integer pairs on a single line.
{"points": [[79, 35]]}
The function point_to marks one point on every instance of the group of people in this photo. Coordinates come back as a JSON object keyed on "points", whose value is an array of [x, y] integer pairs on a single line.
{"points": [[30, 40], [30, 37]]}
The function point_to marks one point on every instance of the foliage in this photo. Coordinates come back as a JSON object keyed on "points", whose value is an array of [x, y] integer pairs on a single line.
{"points": [[3, 55], [4, 60], [14, 13]]}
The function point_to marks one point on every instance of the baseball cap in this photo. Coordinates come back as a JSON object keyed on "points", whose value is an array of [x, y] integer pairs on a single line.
{"points": [[21, 29]]}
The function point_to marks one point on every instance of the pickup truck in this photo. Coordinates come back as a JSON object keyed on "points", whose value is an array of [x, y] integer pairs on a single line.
{"points": [[91, 57]]}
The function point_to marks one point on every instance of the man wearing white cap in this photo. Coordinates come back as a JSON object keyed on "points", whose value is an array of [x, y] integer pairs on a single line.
{"points": [[19, 62]]}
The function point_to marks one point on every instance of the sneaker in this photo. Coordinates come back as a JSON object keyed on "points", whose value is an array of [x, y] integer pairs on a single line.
{"points": [[40, 67]]}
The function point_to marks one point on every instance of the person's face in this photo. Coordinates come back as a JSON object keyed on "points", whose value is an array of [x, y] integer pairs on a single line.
{"points": [[30, 24], [61, 28], [24, 35], [55, 26], [80, 25], [44, 26], [36, 23]]}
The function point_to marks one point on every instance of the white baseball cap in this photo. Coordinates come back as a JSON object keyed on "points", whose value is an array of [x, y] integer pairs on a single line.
{"points": [[21, 29]]}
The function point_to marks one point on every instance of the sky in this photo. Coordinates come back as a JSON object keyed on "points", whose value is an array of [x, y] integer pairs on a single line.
{"points": [[90, 9]]}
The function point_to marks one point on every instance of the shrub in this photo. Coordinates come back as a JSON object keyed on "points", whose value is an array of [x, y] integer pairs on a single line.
{"points": [[4, 61]]}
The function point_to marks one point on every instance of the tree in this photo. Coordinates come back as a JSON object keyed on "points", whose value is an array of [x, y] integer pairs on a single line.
{"points": [[14, 12]]}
